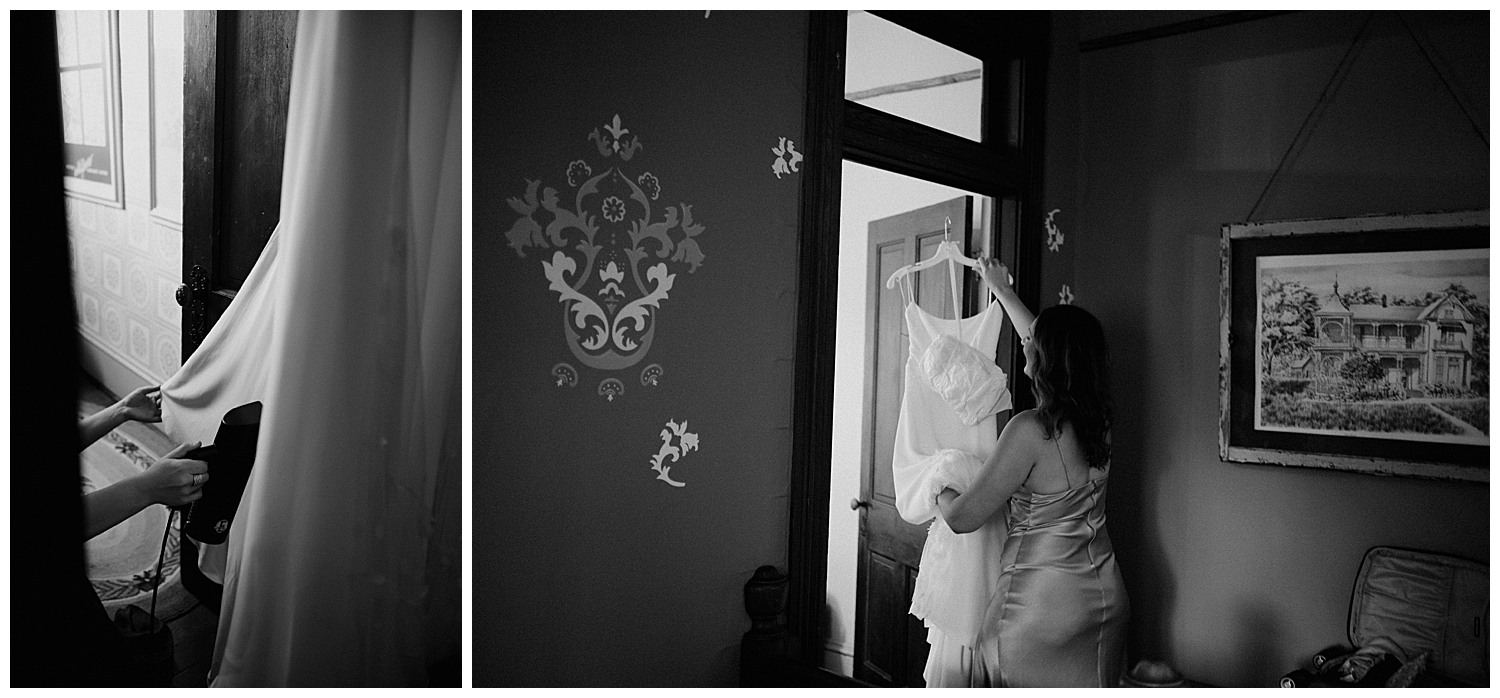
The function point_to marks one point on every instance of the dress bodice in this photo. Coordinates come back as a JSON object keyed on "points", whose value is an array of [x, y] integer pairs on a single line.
{"points": [[1063, 524]]}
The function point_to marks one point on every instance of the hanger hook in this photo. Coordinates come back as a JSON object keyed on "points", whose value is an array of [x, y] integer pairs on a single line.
{"points": [[947, 220]]}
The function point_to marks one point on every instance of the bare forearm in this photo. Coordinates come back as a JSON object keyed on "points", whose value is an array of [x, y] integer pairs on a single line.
{"points": [[96, 425], [1020, 316], [958, 512], [104, 509]]}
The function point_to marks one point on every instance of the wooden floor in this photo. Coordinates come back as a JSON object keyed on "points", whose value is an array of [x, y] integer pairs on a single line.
{"points": [[193, 646], [193, 632]]}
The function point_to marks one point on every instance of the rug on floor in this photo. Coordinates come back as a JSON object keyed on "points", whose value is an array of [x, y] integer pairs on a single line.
{"points": [[122, 561]]}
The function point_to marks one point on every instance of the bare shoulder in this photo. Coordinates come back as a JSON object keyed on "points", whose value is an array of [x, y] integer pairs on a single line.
{"points": [[1025, 419], [1025, 426]]}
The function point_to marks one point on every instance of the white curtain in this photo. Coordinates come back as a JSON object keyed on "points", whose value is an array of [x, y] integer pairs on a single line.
{"points": [[343, 562]]}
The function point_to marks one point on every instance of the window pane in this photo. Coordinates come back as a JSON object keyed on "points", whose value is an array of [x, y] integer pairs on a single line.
{"points": [[903, 73]]}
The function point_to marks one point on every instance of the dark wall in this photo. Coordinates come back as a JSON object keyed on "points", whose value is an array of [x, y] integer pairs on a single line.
{"points": [[1239, 572], [587, 569]]}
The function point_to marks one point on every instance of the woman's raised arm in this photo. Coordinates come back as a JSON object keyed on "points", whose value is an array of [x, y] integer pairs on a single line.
{"points": [[997, 277]]}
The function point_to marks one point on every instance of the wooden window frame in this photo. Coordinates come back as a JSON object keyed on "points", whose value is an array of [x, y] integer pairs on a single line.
{"points": [[837, 130]]}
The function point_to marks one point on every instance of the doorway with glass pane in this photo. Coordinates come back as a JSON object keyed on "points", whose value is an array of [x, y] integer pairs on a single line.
{"points": [[932, 149]]}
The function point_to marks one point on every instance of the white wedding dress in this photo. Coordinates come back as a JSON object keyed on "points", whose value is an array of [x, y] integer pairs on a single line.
{"points": [[343, 563], [934, 449]]}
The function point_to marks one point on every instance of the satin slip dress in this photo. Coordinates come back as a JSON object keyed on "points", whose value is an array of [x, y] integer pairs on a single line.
{"points": [[1059, 612]]}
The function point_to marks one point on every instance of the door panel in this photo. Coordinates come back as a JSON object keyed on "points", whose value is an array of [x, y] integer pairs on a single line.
{"points": [[890, 644], [890, 360], [885, 652], [255, 104]]}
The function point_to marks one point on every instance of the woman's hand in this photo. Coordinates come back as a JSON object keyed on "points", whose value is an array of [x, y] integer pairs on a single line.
{"points": [[995, 274], [173, 480], [141, 405]]}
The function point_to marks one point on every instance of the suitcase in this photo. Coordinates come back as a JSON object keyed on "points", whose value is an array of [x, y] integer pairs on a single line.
{"points": [[1425, 609]]}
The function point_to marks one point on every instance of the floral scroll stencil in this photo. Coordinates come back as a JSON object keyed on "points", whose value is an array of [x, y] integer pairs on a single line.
{"points": [[686, 442], [1054, 235], [782, 152], [610, 251]]}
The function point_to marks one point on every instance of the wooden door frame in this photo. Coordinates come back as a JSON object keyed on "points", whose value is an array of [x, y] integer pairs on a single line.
{"points": [[200, 145], [835, 131]]}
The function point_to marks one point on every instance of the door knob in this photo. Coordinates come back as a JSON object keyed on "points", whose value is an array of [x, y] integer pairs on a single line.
{"points": [[856, 503], [197, 283], [191, 297]]}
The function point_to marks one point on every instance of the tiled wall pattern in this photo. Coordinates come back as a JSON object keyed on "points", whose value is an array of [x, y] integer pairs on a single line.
{"points": [[127, 262]]}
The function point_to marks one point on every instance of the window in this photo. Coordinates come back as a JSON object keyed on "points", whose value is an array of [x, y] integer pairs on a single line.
{"points": [[88, 73], [901, 72], [1454, 375]]}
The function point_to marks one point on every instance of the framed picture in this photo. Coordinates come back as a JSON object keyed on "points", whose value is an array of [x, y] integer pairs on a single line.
{"points": [[1358, 344], [89, 72]]}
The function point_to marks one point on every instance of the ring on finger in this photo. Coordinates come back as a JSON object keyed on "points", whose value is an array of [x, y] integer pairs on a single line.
{"points": [[198, 478]]}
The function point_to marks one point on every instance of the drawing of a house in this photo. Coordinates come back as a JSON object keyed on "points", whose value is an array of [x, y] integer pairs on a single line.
{"points": [[1417, 346]]}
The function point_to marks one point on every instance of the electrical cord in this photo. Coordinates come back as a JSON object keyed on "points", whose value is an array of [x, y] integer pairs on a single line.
{"points": [[156, 580]]}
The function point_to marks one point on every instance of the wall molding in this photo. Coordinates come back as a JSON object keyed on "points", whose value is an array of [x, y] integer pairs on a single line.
{"points": [[1174, 29], [113, 373]]}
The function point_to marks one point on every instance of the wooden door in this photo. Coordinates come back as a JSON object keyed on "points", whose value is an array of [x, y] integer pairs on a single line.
{"points": [[236, 93], [890, 645], [237, 88]]}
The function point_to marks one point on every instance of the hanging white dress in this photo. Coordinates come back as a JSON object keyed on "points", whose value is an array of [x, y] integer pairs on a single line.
{"points": [[936, 448], [342, 566]]}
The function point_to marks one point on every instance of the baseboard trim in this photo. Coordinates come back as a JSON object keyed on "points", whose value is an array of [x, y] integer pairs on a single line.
{"points": [[838, 659], [117, 379], [109, 372]]}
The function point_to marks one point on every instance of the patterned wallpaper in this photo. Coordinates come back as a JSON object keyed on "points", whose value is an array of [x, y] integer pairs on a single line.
{"points": [[125, 268], [126, 261]]}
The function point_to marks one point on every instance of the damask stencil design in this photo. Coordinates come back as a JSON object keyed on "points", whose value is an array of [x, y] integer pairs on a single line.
{"points": [[166, 245], [614, 142], [138, 231], [166, 355], [1054, 236], [651, 374], [109, 225], [166, 302], [615, 254], [125, 284], [88, 255], [1065, 296], [783, 165], [114, 327], [140, 342], [140, 288], [113, 281], [578, 172], [91, 313], [686, 443], [566, 375], [650, 185]]}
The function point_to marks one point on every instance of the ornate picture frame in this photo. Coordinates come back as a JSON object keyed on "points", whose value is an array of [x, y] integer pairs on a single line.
{"points": [[1357, 344], [89, 71]]}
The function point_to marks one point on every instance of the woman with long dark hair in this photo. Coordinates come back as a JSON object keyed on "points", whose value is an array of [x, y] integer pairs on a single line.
{"points": [[1058, 614]]}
